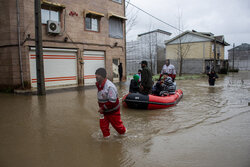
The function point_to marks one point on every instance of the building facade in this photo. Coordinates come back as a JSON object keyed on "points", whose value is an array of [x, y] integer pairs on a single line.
{"points": [[196, 49], [149, 46], [78, 36], [239, 57]]}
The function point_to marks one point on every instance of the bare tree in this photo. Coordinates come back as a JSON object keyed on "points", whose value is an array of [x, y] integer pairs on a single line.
{"points": [[131, 15], [144, 48], [182, 52], [183, 45]]}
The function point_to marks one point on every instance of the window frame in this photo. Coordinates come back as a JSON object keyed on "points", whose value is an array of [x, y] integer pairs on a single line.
{"points": [[91, 16], [117, 1], [122, 26], [53, 10]]}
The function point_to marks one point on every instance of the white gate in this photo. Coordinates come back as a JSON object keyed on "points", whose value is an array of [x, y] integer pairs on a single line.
{"points": [[92, 61], [60, 67]]}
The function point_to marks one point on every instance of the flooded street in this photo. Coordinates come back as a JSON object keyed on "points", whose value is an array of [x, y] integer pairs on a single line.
{"points": [[210, 126]]}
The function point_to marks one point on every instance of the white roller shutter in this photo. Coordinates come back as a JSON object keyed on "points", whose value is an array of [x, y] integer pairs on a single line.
{"points": [[60, 67], [92, 61]]}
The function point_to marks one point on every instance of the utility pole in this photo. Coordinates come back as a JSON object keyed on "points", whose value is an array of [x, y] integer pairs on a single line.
{"points": [[19, 42], [39, 50], [150, 52], [215, 64], [233, 57]]}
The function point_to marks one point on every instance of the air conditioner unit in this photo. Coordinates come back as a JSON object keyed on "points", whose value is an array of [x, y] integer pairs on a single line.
{"points": [[53, 27]]}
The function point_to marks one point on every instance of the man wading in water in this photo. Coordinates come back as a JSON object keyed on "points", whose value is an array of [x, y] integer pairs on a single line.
{"points": [[212, 76], [109, 107], [168, 68]]}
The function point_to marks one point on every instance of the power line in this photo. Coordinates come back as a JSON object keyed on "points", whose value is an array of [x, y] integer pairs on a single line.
{"points": [[153, 16]]}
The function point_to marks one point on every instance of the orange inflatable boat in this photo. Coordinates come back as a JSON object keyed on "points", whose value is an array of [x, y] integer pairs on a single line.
{"points": [[151, 102]]}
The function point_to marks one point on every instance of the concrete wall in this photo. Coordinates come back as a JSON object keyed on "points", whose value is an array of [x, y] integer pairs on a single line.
{"points": [[78, 38], [161, 58], [199, 50], [190, 66], [222, 52], [241, 59], [9, 60], [242, 65]]}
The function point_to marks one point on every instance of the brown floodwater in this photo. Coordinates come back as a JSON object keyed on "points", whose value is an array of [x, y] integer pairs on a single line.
{"points": [[210, 126]]}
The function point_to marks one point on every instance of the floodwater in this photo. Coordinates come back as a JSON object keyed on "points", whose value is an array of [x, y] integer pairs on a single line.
{"points": [[210, 126]]}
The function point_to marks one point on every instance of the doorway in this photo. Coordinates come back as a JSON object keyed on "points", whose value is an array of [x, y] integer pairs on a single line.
{"points": [[115, 64]]}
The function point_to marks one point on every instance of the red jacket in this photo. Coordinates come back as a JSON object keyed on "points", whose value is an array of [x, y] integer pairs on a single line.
{"points": [[170, 69], [107, 96]]}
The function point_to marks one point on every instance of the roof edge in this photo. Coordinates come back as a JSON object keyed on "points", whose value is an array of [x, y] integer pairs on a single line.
{"points": [[157, 30], [212, 38]]}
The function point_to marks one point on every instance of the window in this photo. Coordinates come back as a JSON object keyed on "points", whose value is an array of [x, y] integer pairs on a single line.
{"points": [[92, 23], [115, 27], [49, 15], [218, 49], [119, 1]]}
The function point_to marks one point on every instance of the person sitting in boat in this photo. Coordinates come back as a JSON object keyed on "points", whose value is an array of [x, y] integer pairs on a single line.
{"points": [[167, 87], [134, 84], [164, 86], [157, 88], [139, 73]]}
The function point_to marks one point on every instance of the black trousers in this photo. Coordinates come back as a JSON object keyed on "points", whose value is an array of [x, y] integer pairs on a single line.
{"points": [[120, 77], [146, 91], [211, 82]]}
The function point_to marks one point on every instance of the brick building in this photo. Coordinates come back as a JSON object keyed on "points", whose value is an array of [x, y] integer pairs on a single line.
{"points": [[79, 36]]}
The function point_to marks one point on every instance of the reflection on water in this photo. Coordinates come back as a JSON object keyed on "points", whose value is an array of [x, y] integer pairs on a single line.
{"points": [[62, 129]]}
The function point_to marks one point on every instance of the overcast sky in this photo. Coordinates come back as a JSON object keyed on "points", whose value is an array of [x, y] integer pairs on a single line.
{"points": [[230, 18]]}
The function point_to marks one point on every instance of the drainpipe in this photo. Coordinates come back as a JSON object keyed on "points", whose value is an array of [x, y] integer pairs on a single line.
{"points": [[215, 69], [125, 41], [204, 62], [233, 56], [19, 42]]}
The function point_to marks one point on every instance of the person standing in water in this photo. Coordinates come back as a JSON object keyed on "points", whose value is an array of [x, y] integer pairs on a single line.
{"points": [[120, 70], [212, 76], [109, 107], [168, 68]]}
